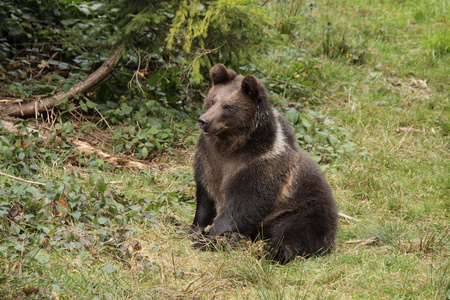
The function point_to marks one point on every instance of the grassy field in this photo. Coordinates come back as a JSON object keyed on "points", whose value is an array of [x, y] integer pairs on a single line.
{"points": [[390, 90]]}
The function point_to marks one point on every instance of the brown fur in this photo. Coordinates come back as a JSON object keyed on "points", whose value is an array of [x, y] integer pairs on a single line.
{"points": [[253, 179]]}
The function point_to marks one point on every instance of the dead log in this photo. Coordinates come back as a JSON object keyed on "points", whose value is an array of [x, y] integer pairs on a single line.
{"points": [[20, 108], [87, 149]]}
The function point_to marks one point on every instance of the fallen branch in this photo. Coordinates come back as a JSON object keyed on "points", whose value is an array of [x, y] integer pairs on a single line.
{"points": [[21, 108], [21, 179], [87, 149]]}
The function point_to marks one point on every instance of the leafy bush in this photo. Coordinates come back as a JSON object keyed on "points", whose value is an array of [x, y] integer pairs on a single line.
{"points": [[321, 136], [28, 28], [148, 127]]}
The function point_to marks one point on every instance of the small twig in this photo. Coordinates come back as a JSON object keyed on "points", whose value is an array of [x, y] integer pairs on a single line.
{"points": [[103, 118], [137, 74], [188, 286], [115, 182], [12, 221], [45, 64], [204, 52], [402, 139], [21, 179], [347, 217], [174, 268], [289, 83], [36, 108]]}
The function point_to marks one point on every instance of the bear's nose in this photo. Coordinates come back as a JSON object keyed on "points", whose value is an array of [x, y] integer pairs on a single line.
{"points": [[203, 122]]}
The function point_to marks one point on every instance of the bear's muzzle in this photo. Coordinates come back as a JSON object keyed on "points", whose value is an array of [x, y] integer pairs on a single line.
{"points": [[203, 123]]}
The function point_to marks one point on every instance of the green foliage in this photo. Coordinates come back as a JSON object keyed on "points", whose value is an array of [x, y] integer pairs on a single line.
{"points": [[141, 19], [43, 21], [149, 129], [19, 23], [290, 73], [438, 44], [23, 154], [336, 44], [320, 135], [215, 28], [44, 209], [287, 14], [169, 48], [192, 34]]}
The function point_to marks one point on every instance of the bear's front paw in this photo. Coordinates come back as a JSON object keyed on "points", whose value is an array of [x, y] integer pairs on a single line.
{"points": [[194, 230], [204, 244], [235, 237], [212, 231]]}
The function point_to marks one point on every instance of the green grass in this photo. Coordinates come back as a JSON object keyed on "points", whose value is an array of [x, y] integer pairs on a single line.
{"points": [[396, 184]]}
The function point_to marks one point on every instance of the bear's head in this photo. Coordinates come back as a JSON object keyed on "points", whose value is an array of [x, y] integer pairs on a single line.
{"points": [[233, 105]]}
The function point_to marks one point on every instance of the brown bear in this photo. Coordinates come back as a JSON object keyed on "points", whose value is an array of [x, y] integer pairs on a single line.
{"points": [[251, 177]]}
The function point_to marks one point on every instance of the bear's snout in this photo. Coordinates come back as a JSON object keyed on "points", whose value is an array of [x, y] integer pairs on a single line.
{"points": [[202, 122]]}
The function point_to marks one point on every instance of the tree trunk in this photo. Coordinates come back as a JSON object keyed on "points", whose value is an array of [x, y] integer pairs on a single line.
{"points": [[30, 108]]}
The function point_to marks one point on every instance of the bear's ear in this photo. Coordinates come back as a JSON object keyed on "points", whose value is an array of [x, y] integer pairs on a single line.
{"points": [[250, 86], [220, 74]]}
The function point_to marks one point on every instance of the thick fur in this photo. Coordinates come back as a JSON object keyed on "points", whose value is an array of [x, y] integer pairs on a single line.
{"points": [[253, 179]]}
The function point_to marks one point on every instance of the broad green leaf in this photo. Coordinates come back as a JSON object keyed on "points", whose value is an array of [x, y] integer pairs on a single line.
{"points": [[309, 140], [102, 221], [153, 130], [15, 30], [76, 215], [333, 140], [56, 288], [15, 230], [306, 124], [42, 256], [292, 115], [144, 152], [68, 127], [100, 184], [91, 104]]}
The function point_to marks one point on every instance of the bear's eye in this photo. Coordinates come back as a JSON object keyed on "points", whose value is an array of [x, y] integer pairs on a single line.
{"points": [[227, 107]]}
